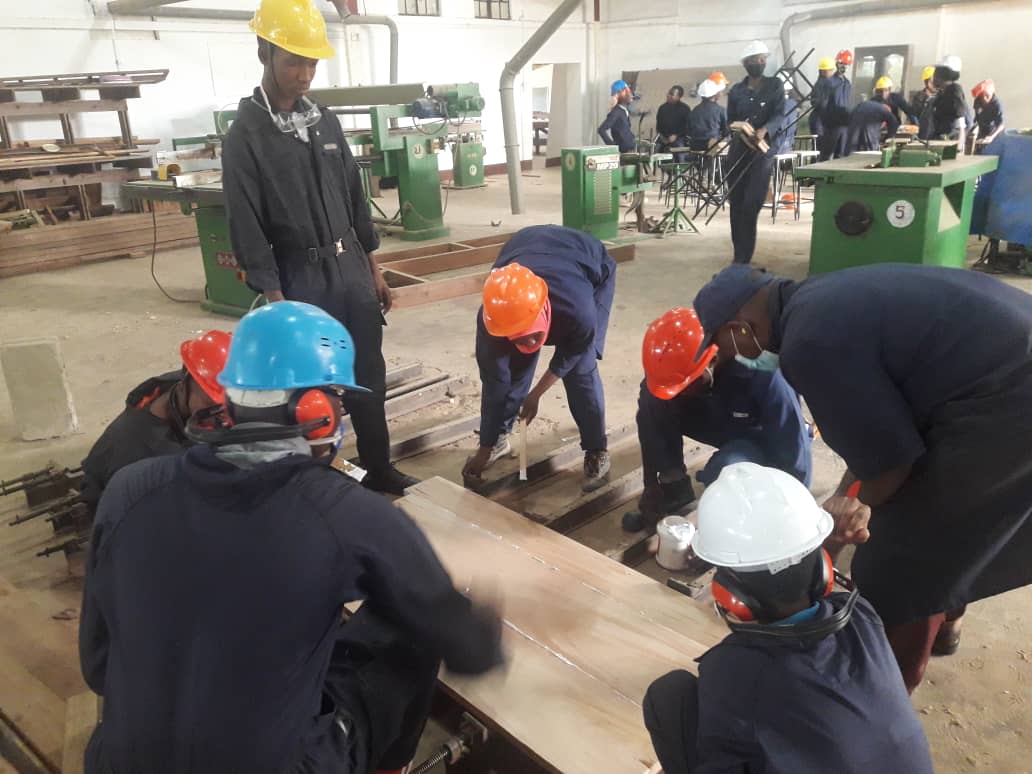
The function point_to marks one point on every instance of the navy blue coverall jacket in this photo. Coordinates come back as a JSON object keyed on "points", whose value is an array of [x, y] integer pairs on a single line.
{"points": [[865, 125], [832, 101], [581, 279], [213, 602], [616, 129]]}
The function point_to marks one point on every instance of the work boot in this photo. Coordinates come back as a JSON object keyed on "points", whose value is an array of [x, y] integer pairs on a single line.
{"points": [[596, 469], [657, 502], [389, 481], [500, 449]]}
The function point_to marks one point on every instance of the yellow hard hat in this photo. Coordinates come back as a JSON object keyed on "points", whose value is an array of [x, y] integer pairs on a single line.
{"points": [[296, 26], [826, 63], [885, 82], [927, 73]]}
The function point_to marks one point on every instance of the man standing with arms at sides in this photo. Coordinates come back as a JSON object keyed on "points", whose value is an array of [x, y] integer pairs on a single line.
{"points": [[834, 101], [921, 99], [825, 67], [298, 218], [616, 129], [759, 101], [707, 124]]}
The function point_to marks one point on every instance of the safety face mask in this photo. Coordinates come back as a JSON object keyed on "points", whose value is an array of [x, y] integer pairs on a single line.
{"points": [[296, 122], [766, 361], [755, 69]]}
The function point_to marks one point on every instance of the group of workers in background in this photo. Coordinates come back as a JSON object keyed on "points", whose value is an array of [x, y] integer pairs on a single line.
{"points": [[225, 546]]}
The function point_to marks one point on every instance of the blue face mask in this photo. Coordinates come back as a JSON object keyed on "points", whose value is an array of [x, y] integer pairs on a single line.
{"points": [[766, 361]]}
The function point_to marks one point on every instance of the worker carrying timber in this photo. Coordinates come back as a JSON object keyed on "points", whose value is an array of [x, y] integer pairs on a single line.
{"points": [[550, 285], [760, 102], [867, 122], [298, 218], [211, 615], [616, 129], [806, 681], [742, 406], [156, 413], [920, 378]]}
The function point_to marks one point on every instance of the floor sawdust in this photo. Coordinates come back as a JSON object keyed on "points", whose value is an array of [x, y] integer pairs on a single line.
{"points": [[116, 329]]}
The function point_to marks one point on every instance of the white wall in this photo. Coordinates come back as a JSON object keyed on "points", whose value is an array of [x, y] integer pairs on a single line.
{"points": [[213, 63]]}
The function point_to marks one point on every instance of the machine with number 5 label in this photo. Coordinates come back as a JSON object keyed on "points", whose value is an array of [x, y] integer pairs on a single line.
{"points": [[865, 212]]}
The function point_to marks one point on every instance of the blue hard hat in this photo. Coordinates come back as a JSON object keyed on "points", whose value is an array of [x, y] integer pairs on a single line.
{"points": [[289, 345], [617, 87]]}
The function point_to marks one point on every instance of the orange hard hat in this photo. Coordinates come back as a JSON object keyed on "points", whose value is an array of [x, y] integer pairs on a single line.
{"points": [[845, 56], [986, 87], [668, 353], [204, 358], [718, 77], [513, 298]]}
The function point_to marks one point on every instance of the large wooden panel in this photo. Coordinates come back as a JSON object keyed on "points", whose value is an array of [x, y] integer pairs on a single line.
{"points": [[585, 635]]}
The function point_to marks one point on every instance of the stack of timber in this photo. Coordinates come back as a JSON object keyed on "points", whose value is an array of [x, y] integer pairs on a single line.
{"points": [[59, 180]]}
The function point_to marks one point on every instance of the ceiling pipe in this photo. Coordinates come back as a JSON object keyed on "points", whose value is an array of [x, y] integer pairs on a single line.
{"points": [[505, 90], [158, 9], [870, 8]]}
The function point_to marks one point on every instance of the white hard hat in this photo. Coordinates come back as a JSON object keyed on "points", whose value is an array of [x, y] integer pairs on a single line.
{"points": [[754, 48], [709, 88], [787, 85], [951, 61], [755, 518]]}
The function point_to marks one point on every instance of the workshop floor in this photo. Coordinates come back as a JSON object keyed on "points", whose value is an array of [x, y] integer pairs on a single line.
{"points": [[116, 328]]}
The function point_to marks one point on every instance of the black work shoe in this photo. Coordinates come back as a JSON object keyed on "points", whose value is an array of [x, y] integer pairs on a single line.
{"points": [[596, 469], [637, 520], [390, 481], [677, 495]]}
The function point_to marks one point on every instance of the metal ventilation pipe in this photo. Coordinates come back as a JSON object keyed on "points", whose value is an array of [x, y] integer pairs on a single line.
{"points": [[505, 90]]}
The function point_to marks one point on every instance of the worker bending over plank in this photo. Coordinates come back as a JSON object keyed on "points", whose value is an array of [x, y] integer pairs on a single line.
{"points": [[550, 285], [920, 378], [806, 681], [298, 217], [742, 406], [154, 419], [211, 616]]}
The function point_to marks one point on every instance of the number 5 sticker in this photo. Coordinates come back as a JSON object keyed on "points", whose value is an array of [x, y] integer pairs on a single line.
{"points": [[900, 213]]}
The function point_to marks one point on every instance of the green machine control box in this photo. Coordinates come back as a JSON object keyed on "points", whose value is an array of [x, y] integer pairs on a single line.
{"points": [[865, 212], [468, 164], [591, 198]]}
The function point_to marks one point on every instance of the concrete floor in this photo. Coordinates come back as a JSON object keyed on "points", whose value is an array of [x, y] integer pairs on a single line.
{"points": [[116, 329]]}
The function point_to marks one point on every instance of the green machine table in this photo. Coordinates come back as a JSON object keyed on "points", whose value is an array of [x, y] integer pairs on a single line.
{"points": [[897, 214], [225, 291]]}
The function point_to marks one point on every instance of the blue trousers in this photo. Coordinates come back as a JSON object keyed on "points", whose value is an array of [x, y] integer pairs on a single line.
{"points": [[834, 143], [749, 180], [584, 395], [663, 425]]}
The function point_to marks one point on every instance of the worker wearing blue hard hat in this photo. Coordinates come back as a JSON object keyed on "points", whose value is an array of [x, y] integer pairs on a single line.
{"points": [[616, 129], [298, 218], [933, 422], [211, 616]]}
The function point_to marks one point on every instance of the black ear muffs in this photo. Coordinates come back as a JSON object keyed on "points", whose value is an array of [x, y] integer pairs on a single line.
{"points": [[307, 406], [732, 597]]}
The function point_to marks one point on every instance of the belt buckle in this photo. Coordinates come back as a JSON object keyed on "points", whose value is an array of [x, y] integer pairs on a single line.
{"points": [[339, 245]]}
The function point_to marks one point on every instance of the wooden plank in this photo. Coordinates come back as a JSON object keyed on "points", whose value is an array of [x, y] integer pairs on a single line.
{"points": [[63, 263], [403, 373], [412, 386], [555, 461], [417, 252], [100, 245], [594, 504], [494, 239], [399, 279], [90, 80], [81, 715], [78, 230], [61, 181], [35, 109], [16, 757], [441, 435], [571, 694], [439, 290], [458, 259]]}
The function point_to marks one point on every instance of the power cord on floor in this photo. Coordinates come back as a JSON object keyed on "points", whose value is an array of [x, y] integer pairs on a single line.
{"points": [[154, 255]]}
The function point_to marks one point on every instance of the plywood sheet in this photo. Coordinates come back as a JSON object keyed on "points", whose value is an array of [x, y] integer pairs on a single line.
{"points": [[585, 635]]}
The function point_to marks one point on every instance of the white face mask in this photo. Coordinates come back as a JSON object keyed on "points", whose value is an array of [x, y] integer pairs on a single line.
{"points": [[295, 122], [766, 361]]}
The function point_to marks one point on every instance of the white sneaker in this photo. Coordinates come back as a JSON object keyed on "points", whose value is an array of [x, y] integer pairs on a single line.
{"points": [[500, 449]]}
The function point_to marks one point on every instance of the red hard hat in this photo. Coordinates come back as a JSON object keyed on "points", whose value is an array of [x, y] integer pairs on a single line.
{"points": [[513, 298], [204, 358], [986, 87], [669, 350], [845, 56]]}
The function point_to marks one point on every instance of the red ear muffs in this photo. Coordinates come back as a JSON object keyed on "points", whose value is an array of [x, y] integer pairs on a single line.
{"points": [[734, 599], [823, 576], [311, 406]]}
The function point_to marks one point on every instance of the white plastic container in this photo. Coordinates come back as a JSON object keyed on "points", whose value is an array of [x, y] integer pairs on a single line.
{"points": [[675, 537]]}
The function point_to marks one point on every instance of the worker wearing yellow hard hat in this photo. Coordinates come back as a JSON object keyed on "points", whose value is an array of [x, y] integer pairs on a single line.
{"points": [[920, 100], [298, 219], [895, 101]]}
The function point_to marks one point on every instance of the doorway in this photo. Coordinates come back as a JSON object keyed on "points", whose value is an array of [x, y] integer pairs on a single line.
{"points": [[872, 62]]}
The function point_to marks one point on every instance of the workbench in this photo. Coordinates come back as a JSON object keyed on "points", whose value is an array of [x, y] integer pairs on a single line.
{"points": [[585, 635], [898, 214]]}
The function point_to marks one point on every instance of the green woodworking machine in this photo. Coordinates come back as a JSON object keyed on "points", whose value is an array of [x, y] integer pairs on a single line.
{"points": [[409, 126], [905, 204]]}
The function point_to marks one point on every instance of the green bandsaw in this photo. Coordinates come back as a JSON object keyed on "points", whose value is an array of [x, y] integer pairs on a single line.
{"points": [[402, 142], [909, 204]]}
